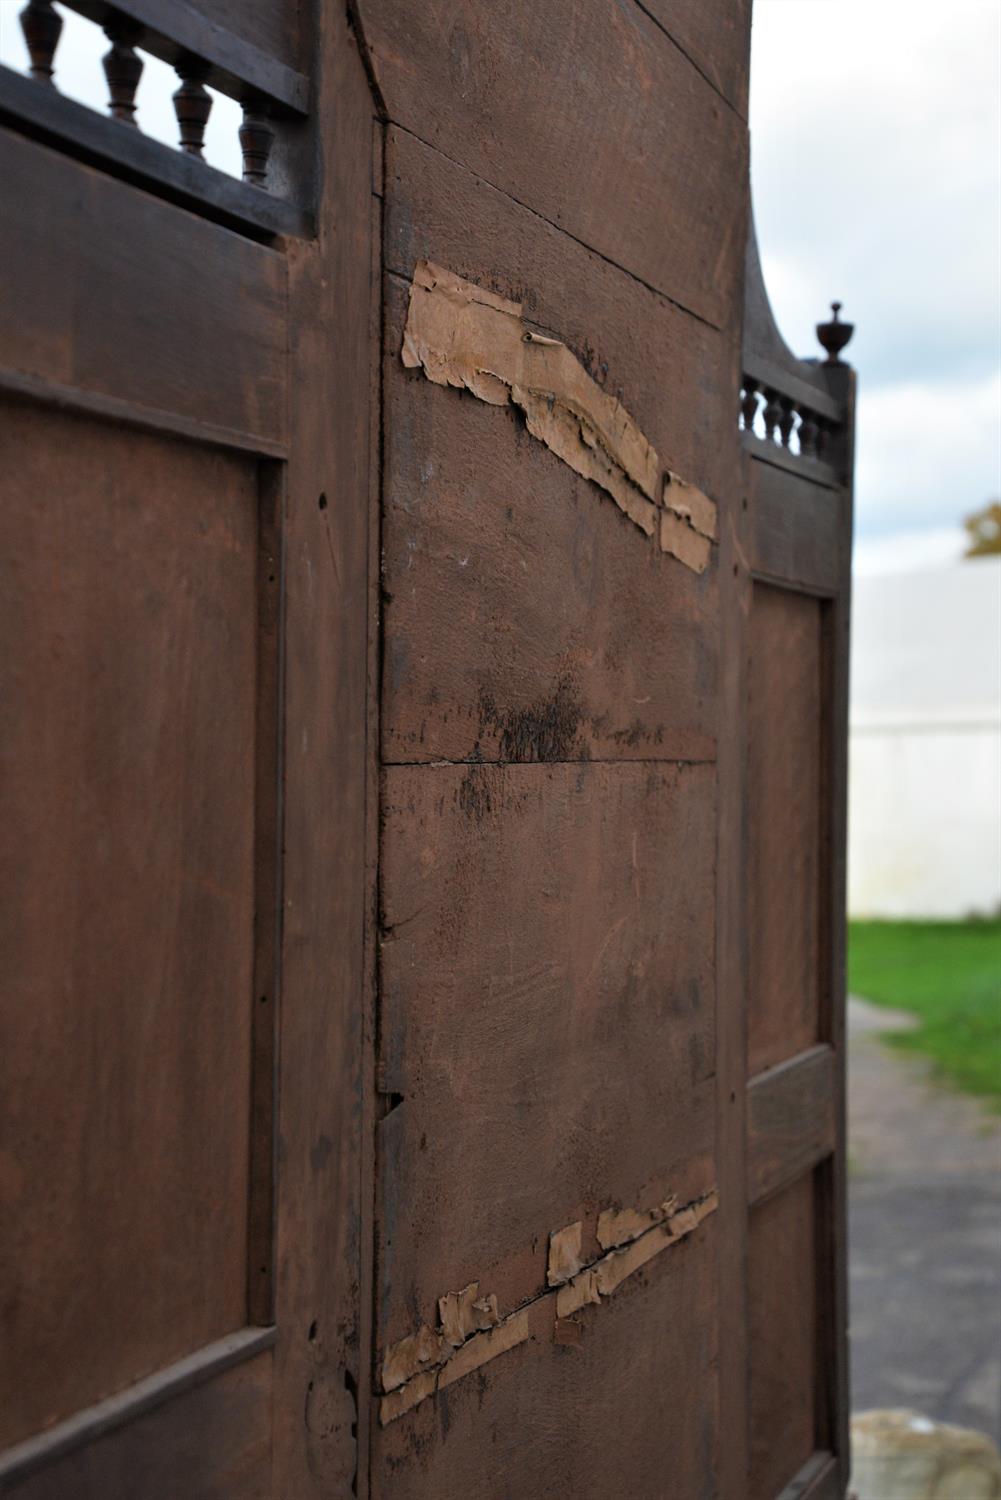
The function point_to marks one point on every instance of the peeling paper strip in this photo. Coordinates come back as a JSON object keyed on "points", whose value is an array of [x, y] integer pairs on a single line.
{"points": [[461, 335], [485, 1346], [678, 538], [411, 1355], [586, 1285], [688, 523], [417, 1389], [564, 1254], [616, 1226]]}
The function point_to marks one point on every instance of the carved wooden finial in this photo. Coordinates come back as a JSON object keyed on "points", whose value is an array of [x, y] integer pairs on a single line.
{"points": [[192, 104], [123, 68], [41, 25], [834, 335], [256, 139]]}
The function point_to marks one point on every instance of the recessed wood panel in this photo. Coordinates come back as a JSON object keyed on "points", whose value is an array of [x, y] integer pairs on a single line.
{"points": [[129, 618], [782, 1276], [547, 1014], [784, 813]]}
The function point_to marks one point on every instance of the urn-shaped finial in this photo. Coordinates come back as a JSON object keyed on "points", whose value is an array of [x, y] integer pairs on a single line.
{"points": [[835, 335]]}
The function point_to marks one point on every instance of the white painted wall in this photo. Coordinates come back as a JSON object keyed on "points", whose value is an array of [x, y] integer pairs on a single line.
{"points": [[924, 821]]}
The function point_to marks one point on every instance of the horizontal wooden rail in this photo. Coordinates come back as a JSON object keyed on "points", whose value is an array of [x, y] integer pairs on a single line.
{"points": [[92, 138], [818, 1479], [173, 29], [37, 1452], [790, 1121]]}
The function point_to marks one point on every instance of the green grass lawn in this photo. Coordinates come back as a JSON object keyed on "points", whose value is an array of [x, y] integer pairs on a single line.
{"points": [[949, 975]]}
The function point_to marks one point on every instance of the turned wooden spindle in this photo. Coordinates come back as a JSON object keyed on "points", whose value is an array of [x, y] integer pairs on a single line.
{"points": [[123, 68], [807, 433], [192, 104], [772, 415], [823, 437], [749, 404], [256, 139], [787, 420], [41, 26]]}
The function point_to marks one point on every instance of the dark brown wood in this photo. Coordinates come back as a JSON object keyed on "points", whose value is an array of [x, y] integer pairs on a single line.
{"points": [[49, 1448], [218, 356], [143, 162], [250, 46], [123, 68], [517, 598], [538, 833], [716, 40], [505, 999], [322, 1387], [782, 1338], [790, 1121], [129, 830], [736, 590], [573, 143], [784, 854], [630, 1410], [192, 104], [210, 1442], [42, 26], [818, 1479]]}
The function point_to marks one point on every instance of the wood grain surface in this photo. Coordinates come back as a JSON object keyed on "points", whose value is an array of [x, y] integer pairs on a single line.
{"points": [[130, 617], [547, 1020], [784, 780], [588, 115]]}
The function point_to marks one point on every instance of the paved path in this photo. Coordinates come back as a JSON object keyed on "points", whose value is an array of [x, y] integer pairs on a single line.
{"points": [[925, 1235]]}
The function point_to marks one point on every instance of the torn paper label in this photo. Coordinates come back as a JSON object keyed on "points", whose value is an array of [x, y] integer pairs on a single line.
{"points": [[417, 1389], [691, 505], [485, 1346], [683, 542], [564, 1254], [456, 1315], [616, 1226], [463, 336], [688, 523], [410, 1356]]}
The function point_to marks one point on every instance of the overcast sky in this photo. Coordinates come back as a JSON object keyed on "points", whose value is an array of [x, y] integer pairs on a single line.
{"points": [[875, 163]]}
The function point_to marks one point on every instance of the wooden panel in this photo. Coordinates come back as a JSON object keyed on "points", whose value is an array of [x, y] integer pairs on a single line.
{"points": [[784, 778], [790, 1121], [671, 372], [153, 306], [717, 38], [547, 1017], [587, 114], [212, 1442], [130, 624], [526, 618], [796, 529], [629, 1411], [782, 1274]]}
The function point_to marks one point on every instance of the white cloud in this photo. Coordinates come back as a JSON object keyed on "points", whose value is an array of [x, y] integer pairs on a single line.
{"points": [[927, 453], [876, 142]]}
